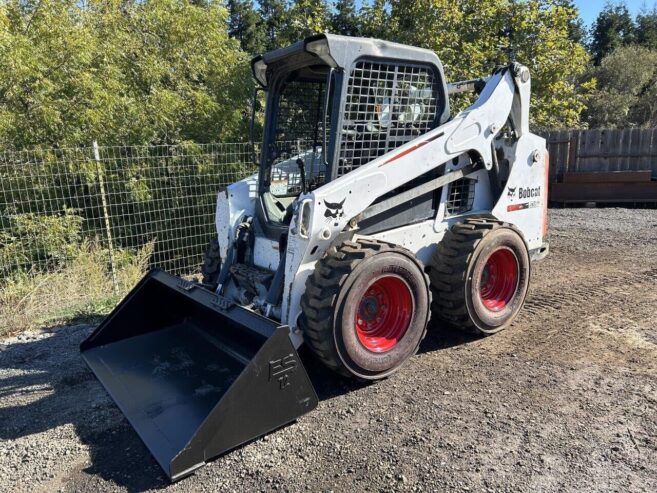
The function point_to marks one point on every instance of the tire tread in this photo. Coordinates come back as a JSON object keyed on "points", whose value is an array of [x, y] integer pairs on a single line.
{"points": [[449, 267], [321, 294]]}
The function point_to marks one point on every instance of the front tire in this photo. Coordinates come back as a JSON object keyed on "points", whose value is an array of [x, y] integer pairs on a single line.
{"points": [[366, 308], [480, 276]]}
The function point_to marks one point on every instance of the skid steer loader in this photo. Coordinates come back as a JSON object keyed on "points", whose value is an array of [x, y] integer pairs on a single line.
{"points": [[374, 209]]}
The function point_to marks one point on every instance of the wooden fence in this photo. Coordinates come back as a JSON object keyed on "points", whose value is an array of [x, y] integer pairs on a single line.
{"points": [[603, 165], [602, 150]]}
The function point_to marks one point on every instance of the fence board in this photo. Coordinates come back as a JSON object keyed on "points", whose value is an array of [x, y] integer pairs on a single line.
{"points": [[622, 150], [652, 160], [589, 154], [602, 151], [643, 156], [613, 145], [574, 150], [559, 147], [608, 177], [605, 192]]}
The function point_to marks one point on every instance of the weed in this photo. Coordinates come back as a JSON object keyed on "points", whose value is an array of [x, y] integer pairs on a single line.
{"points": [[82, 288]]}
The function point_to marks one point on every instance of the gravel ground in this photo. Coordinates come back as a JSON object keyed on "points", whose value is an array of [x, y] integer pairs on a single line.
{"points": [[566, 399]]}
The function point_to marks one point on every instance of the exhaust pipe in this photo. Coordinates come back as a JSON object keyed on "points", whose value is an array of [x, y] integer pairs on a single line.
{"points": [[195, 374]]}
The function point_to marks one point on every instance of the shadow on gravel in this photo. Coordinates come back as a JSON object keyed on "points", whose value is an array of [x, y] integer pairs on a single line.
{"points": [[328, 384], [52, 364], [439, 338]]}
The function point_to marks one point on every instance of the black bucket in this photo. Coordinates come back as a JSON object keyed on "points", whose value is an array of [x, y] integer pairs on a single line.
{"points": [[195, 374]]}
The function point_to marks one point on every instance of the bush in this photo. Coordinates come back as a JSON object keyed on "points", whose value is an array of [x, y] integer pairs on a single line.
{"points": [[46, 240], [129, 72], [82, 288]]}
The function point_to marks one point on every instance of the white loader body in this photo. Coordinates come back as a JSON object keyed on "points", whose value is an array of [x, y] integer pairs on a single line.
{"points": [[522, 203]]}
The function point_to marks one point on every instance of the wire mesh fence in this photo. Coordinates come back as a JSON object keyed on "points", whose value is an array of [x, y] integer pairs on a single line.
{"points": [[106, 214]]}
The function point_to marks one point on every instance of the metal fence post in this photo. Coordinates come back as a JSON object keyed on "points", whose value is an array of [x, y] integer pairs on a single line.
{"points": [[108, 228]]}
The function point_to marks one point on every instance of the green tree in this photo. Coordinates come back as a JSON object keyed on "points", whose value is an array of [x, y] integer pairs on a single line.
{"points": [[627, 89], [576, 28], [46, 88], [646, 28], [345, 19], [273, 14], [614, 27], [245, 25], [306, 17], [374, 17], [120, 72], [466, 36]]}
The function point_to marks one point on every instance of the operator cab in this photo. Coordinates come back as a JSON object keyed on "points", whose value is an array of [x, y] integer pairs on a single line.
{"points": [[335, 103]]}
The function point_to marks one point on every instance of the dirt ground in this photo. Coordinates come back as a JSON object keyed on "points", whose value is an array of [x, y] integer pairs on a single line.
{"points": [[566, 399]]}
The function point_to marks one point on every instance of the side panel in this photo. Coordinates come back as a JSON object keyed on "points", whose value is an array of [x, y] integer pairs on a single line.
{"points": [[266, 253], [233, 203], [523, 200], [421, 239]]}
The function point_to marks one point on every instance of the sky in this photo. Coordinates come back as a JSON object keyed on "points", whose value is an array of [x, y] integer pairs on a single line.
{"points": [[589, 9]]}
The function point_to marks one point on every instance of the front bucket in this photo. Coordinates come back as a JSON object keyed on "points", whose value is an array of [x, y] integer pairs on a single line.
{"points": [[195, 374]]}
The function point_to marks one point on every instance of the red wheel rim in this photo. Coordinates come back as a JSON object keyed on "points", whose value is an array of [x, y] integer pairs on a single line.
{"points": [[384, 313], [499, 280]]}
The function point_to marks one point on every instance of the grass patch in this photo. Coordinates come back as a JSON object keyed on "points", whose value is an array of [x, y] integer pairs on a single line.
{"points": [[81, 289]]}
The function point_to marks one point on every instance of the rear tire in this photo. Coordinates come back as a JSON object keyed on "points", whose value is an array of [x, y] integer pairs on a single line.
{"points": [[211, 264], [366, 308], [480, 276]]}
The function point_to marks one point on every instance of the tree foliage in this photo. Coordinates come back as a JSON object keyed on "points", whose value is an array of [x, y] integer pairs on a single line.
{"points": [[625, 71], [162, 71], [646, 28], [245, 24], [577, 31], [627, 89], [304, 18], [614, 27], [118, 71], [273, 14], [467, 34], [345, 19]]}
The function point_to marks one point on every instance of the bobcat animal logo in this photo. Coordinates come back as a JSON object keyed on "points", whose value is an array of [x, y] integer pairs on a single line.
{"points": [[512, 192], [334, 209]]}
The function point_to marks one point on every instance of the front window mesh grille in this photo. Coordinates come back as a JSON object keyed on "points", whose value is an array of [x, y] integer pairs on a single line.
{"points": [[387, 105], [299, 134], [301, 112], [460, 196]]}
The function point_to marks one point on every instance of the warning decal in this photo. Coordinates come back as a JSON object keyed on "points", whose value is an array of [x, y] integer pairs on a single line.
{"points": [[523, 206]]}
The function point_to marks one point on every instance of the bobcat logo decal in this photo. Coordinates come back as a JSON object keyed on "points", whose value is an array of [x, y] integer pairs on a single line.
{"points": [[512, 192], [334, 210]]}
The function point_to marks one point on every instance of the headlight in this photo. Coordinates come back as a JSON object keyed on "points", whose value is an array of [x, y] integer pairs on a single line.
{"points": [[260, 72], [319, 47], [304, 227], [303, 218]]}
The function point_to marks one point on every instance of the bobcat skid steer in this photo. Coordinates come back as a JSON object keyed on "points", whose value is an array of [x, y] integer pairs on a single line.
{"points": [[374, 210]]}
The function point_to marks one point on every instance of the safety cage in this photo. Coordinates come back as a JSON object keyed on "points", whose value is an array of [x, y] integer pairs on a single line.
{"points": [[335, 104], [384, 104], [387, 104], [300, 116]]}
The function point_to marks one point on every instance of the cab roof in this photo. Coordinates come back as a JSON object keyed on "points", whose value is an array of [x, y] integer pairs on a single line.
{"points": [[337, 52]]}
